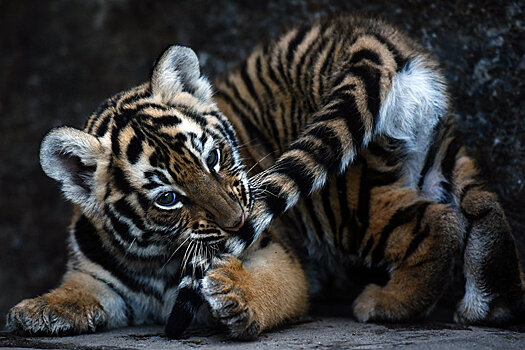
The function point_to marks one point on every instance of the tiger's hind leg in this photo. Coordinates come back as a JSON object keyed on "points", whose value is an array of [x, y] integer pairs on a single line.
{"points": [[418, 246], [494, 290]]}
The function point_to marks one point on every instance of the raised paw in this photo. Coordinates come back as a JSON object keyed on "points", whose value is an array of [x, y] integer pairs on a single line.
{"points": [[227, 291], [57, 314]]}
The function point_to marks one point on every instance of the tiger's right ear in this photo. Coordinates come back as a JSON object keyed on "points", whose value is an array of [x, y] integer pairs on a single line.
{"points": [[177, 70], [70, 156]]}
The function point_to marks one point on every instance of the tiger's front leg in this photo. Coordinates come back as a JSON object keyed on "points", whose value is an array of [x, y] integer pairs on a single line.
{"points": [[81, 304], [257, 294]]}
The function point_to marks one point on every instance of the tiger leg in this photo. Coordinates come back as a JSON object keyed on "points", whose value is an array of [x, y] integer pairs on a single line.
{"points": [[494, 291], [264, 290], [421, 254], [81, 304], [402, 102]]}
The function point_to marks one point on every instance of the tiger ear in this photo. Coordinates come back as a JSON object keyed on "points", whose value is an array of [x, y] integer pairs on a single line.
{"points": [[177, 70], [70, 156]]}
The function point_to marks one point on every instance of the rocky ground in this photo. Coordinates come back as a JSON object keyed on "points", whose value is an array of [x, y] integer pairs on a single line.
{"points": [[60, 58], [324, 333]]}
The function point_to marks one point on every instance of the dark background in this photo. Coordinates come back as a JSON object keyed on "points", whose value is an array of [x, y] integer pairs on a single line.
{"points": [[59, 59]]}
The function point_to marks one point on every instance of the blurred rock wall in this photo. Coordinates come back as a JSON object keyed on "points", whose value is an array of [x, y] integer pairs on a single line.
{"points": [[60, 58]]}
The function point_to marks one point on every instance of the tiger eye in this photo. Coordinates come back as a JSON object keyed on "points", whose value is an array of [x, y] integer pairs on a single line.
{"points": [[167, 199]]}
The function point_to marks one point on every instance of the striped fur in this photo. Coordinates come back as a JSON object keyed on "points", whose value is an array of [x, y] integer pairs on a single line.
{"points": [[355, 163]]}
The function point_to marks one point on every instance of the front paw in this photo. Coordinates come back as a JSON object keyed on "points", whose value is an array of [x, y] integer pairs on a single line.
{"points": [[227, 291], [56, 315]]}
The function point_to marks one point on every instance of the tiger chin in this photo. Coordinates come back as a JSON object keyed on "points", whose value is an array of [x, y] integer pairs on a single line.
{"points": [[356, 162]]}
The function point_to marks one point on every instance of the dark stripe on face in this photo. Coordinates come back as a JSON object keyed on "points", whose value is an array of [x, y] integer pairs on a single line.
{"points": [[135, 148], [119, 227], [120, 180], [166, 120], [226, 128], [92, 247]]}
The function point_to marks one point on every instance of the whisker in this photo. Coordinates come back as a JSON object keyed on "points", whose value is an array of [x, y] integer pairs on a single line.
{"points": [[173, 254]]}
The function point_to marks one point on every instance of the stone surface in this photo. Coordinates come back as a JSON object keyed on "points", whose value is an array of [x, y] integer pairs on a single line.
{"points": [[323, 333], [60, 58]]}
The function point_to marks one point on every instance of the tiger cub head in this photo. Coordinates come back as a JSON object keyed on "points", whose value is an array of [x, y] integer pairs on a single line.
{"points": [[158, 164]]}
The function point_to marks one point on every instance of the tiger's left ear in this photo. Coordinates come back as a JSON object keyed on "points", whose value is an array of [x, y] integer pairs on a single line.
{"points": [[178, 71]]}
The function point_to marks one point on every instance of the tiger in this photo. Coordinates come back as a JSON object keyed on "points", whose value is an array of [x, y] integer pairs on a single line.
{"points": [[360, 188]]}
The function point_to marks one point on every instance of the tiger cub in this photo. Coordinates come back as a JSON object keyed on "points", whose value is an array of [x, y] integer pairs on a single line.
{"points": [[344, 123]]}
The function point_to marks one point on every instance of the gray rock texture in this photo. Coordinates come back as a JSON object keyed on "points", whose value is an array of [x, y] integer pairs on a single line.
{"points": [[325, 333], [60, 58]]}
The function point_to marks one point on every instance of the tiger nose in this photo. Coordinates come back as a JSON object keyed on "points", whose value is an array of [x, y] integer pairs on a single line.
{"points": [[237, 226]]}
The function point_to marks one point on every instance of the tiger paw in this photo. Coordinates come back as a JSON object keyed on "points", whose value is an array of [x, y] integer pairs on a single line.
{"points": [[487, 311], [68, 313], [365, 306], [227, 291]]}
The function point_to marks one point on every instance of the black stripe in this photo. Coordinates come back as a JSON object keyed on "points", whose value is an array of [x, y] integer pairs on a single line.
{"points": [[416, 242], [297, 171], [368, 246], [326, 135], [120, 180], [91, 246], [400, 59], [370, 77], [365, 55], [294, 43], [246, 233], [130, 313], [121, 228], [401, 217], [167, 120], [272, 126], [253, 94], [135, 147], [449, 161], [252, 130], [103, 126], [323, 71], [272, 196]]}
